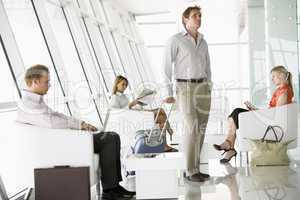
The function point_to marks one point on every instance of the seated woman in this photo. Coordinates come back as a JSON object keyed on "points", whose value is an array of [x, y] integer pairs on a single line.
{"points": [[119, 100], [281, 96]]}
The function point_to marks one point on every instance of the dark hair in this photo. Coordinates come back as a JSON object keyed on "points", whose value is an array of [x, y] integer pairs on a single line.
{"points": [[119, 78], [186, 13], [288, 75], [35, 72]]}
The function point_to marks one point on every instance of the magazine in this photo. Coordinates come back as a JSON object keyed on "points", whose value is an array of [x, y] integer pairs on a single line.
{"points": [[146, 97], [146, 92]]}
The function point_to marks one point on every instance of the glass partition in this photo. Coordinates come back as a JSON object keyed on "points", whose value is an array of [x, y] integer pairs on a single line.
{"points": [[272, 41]]}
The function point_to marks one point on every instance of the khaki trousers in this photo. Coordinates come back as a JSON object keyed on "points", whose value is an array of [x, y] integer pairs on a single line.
{"points": [[194, 104]]}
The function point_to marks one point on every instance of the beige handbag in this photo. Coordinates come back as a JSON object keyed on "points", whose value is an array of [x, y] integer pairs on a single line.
{"points": [[270, 152]]}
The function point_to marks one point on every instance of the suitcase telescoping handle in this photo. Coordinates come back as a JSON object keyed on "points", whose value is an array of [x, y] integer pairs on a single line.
{"points": [[165, 124]]}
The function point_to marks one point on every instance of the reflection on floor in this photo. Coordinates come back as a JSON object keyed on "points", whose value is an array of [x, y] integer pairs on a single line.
{"points": [[232, 182]]}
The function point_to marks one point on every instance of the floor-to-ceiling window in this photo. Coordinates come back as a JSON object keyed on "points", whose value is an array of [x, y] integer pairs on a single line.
{"points": [[7, 82], [33, 47], [84, 44]]}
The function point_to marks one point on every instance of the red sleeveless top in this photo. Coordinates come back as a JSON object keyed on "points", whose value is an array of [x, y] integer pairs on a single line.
{"points": [[278, 92]]}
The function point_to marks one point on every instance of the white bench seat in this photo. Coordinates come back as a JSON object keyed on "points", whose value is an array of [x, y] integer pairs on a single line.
{"points": [[25, 147]]}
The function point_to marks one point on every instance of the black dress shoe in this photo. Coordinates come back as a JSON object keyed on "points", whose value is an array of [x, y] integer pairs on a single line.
{"points": [[125, 193], [204, 175], [195, 178], [111, 195]]}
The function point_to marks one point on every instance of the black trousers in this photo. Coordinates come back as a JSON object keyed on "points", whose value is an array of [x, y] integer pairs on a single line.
{"points": [[108, 146], [235, 115]]}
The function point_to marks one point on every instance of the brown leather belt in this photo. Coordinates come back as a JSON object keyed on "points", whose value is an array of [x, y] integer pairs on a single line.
{"points": [[201, 80]]}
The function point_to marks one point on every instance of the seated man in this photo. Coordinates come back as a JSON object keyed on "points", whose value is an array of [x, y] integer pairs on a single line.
{"points": [[33, 110]]}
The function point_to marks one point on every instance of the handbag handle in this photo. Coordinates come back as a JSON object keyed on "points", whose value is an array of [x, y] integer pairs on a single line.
{"points": [[151, 131], [165, 124], [274, 132]]}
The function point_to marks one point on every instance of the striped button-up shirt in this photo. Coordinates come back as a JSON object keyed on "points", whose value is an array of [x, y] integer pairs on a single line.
{"points": [[189, 58]]}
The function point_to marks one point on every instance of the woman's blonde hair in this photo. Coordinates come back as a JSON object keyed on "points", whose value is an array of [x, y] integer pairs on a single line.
{"points": [[288, 75], [117, 81]]}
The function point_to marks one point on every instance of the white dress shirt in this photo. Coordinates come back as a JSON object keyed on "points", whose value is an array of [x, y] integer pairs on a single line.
{"points": [[119, 101], [190, 59], [33, 110]]}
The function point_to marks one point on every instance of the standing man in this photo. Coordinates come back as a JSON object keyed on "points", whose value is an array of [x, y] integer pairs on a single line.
{"points": [[188, 53]]}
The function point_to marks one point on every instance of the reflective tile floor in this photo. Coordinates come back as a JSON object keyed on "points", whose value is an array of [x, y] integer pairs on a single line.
{"points": [[232, 182]]}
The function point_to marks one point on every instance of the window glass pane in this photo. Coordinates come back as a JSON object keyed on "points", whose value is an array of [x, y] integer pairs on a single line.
{"points": [[111, 14], [87, 6], [107, 68], [82, 103], [93, 72], [157, 34], [140, 65], [126, 52], [114, 51], [231, 67], [156, 57], [98, 49], [168, 17], [134, 47], [93, 67], [7, 85], [107, 58], [32, 47], [146, 60], [65, 44], [227, 20], [120, 47], [124, 28]]}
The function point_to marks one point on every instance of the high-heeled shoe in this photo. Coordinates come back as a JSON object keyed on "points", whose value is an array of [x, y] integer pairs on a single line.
{"points": [[231, 153], [222, 146]]}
